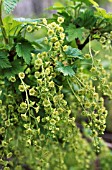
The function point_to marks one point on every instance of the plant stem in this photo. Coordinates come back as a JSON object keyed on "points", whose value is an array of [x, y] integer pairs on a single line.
{"points": [[73, 90], [1, 24]]}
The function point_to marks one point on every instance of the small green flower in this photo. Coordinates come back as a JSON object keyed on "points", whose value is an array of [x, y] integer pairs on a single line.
{"points": [[21, 88], [54, 39], [65, 48], [2, 130], [39, 81], [37, 74], [46, 103], [102, 39], [53, 25], [60, 20], [62, 36], [12, 79], [42, 137], [29, 131], [51, 84], [7, 123], [38, 119], [50, 32], [52, 121], [29, 28], [11, 107], [47, 71], [32, 92], [24, 117], [57, 44], [46, 40], [87, 56], [44, 55], [38, 62], [93, 69], [23, 105], [9, 155], [60, 29], [21, 75], [28, 142], [4, 144]]}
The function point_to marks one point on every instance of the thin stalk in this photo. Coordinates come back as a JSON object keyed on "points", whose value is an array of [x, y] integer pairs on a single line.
{"points": [[91, 51], [73, 91], [1, 24], [27, 99]]}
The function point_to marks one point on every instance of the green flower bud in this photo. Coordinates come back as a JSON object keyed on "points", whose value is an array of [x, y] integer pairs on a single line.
{"points": [[44, 21], [38, 119]]}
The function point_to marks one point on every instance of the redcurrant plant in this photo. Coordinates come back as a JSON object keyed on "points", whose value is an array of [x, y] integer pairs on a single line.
{"points": [[45, 83]]}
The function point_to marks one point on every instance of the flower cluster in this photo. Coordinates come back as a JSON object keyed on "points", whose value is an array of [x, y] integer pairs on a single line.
{"points": [[39, 107]]}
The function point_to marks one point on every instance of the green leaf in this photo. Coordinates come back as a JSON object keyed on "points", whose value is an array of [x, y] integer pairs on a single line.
{"points": [[74, 53], [11, 25], [74, 32], [66, 70], [16, 68], [86, 19], [9, 5], [4, 61], [24, 50]]}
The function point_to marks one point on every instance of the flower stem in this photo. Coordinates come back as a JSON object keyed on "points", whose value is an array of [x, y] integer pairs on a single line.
{"points": [[1, 24]]}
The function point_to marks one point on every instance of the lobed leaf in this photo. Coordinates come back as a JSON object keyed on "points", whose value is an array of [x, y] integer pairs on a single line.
{"points": [[4, 61], [66, 70], [24, 50], [74, 32], [9, 5], [74, 53], [16, 68]]}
